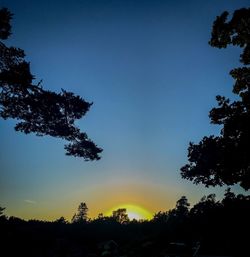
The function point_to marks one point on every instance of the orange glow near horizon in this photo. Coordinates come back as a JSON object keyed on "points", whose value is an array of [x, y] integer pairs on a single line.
{"points": [[141, 200], [133, 211]]}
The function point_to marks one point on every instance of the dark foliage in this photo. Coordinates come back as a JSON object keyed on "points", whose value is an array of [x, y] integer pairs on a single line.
{"points": [[82, 214], [120, 216], [225, 159], [37, 110], [219, 227], [1, 211]]}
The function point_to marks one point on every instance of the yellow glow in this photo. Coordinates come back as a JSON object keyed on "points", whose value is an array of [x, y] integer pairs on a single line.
{"points": [[133, 211]]}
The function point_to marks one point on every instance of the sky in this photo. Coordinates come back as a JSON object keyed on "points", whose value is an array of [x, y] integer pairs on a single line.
{"points": [[152, 77]]}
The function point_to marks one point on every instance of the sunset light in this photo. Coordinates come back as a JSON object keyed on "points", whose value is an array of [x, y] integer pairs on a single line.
{"points": [[133, 211]]}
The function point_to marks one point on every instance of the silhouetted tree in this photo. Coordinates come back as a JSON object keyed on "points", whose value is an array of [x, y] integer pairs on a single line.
{"points": [[225, 159], [173, 216], [100, 216], [178, 217], [206, 204], [61, 220], [1, 211], [161, 217], [37, 110], [182, 207], [120, 215], [81, 215]]}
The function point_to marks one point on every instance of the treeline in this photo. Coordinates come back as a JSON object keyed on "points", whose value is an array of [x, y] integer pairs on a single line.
{"points": [[220, 227]]}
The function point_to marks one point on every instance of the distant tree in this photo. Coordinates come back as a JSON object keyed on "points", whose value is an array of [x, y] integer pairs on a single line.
{"points": [[100, 216], [37, 110], [61, 220], [205, 205], [120, 215], [1, 211], [225, 159], [161, 217], [236, 202], [182, 207], [82, 214]]}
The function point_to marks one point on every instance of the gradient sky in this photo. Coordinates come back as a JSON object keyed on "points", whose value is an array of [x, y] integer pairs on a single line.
{"points": [[153, 78]]}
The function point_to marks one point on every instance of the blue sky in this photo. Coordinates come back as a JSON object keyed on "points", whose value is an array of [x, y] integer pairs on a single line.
{"points": [[153, 78]]}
